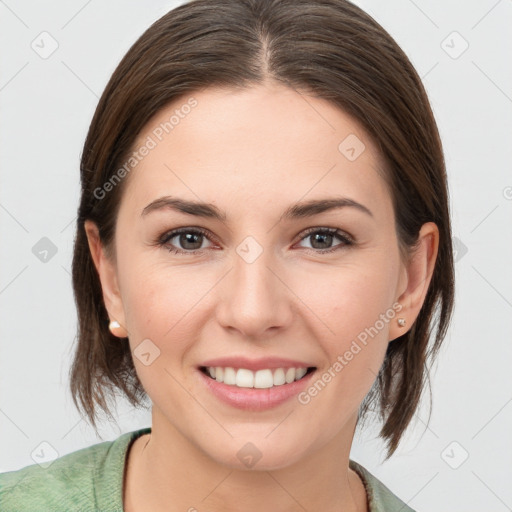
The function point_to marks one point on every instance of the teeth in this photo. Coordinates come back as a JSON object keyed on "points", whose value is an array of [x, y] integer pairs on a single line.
{"points": [[244, 378], [230, 376], [279, 378], [263, 379], [290, 375], [300, 373], [260, 379]]}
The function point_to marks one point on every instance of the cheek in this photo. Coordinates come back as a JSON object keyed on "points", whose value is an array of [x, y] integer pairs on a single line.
{"points": [[358, 309], [163, 303], [157, 304], [359, 315], [357, 295], [159, 309]]}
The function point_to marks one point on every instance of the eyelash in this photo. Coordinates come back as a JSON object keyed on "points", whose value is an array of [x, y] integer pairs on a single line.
{"points": [[163, 241]]}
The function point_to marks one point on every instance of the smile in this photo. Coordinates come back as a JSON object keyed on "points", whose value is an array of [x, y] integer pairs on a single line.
{"points": [[260, 379]]}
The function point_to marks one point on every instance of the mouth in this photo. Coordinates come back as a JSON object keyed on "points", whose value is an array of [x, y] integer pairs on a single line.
{"points": [[260, 379]]}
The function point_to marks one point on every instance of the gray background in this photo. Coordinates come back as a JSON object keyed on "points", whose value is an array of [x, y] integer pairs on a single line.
{"points": [[461, 461]]}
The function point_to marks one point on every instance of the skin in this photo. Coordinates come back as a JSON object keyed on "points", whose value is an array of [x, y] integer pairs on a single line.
{"points": [[252, 153]]}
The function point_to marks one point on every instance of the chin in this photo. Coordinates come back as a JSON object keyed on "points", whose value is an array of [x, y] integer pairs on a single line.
{"points": [[258, 455]]}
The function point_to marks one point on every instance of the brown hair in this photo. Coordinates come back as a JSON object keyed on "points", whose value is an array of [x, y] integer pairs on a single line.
{"points": [[329, 49]]}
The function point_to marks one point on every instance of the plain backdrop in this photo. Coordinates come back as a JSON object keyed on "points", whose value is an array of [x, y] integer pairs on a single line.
{"points": [[56, 59]]}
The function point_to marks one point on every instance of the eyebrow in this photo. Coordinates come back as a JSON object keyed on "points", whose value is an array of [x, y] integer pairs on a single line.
{"points": [[296, 211]]}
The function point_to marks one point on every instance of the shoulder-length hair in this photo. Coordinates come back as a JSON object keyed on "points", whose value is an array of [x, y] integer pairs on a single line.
{"points": [[329, 49]]}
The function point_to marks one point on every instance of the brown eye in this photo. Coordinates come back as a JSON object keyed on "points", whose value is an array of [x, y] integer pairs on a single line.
{"points": [[185, 240], [322, 239]]}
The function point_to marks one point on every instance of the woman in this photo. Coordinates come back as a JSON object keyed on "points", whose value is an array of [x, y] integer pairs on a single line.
{"points": [[263, 244]]}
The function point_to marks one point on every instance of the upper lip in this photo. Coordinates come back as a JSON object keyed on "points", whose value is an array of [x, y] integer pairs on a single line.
{"points": [[255, 364]]}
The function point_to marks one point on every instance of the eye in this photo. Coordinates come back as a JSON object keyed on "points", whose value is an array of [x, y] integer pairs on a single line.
{"points": [[321, 238], [190, 240]]}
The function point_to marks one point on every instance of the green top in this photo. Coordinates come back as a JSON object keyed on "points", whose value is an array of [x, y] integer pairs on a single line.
{"points": [[91, 480]]}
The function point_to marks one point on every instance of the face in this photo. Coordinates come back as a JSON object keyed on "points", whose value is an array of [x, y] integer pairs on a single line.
{"points": [[251, 283]]}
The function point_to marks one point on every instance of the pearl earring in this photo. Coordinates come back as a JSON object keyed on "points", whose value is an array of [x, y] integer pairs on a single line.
{"points": [[401, 322], [114, 326]]}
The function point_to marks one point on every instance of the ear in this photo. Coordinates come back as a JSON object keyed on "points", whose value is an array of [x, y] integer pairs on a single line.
{"points": [[417, 275], [108, 277]]}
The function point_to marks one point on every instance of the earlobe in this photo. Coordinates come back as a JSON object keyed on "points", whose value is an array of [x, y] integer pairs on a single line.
{"points": [[108, 278], [117, 329], [419, 273]]}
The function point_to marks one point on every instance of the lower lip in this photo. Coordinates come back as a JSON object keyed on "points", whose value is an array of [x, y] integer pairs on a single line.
{"points": [[252, 399]]}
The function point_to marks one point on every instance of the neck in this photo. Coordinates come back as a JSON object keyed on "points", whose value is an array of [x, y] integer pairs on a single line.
{"points": [[165, 471]]}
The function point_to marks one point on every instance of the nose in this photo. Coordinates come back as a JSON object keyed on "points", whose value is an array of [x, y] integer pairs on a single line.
{"points": [[254, 299]]}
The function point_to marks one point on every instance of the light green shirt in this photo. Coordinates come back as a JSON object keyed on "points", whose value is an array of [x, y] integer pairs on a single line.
{"points": [[91, 480]]}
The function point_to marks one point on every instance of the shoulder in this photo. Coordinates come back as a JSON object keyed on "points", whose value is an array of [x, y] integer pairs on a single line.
{"points": [[380, 498], [79, 481]]}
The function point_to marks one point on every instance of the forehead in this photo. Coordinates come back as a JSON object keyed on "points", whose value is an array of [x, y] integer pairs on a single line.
{"points": [[263, 145]]}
